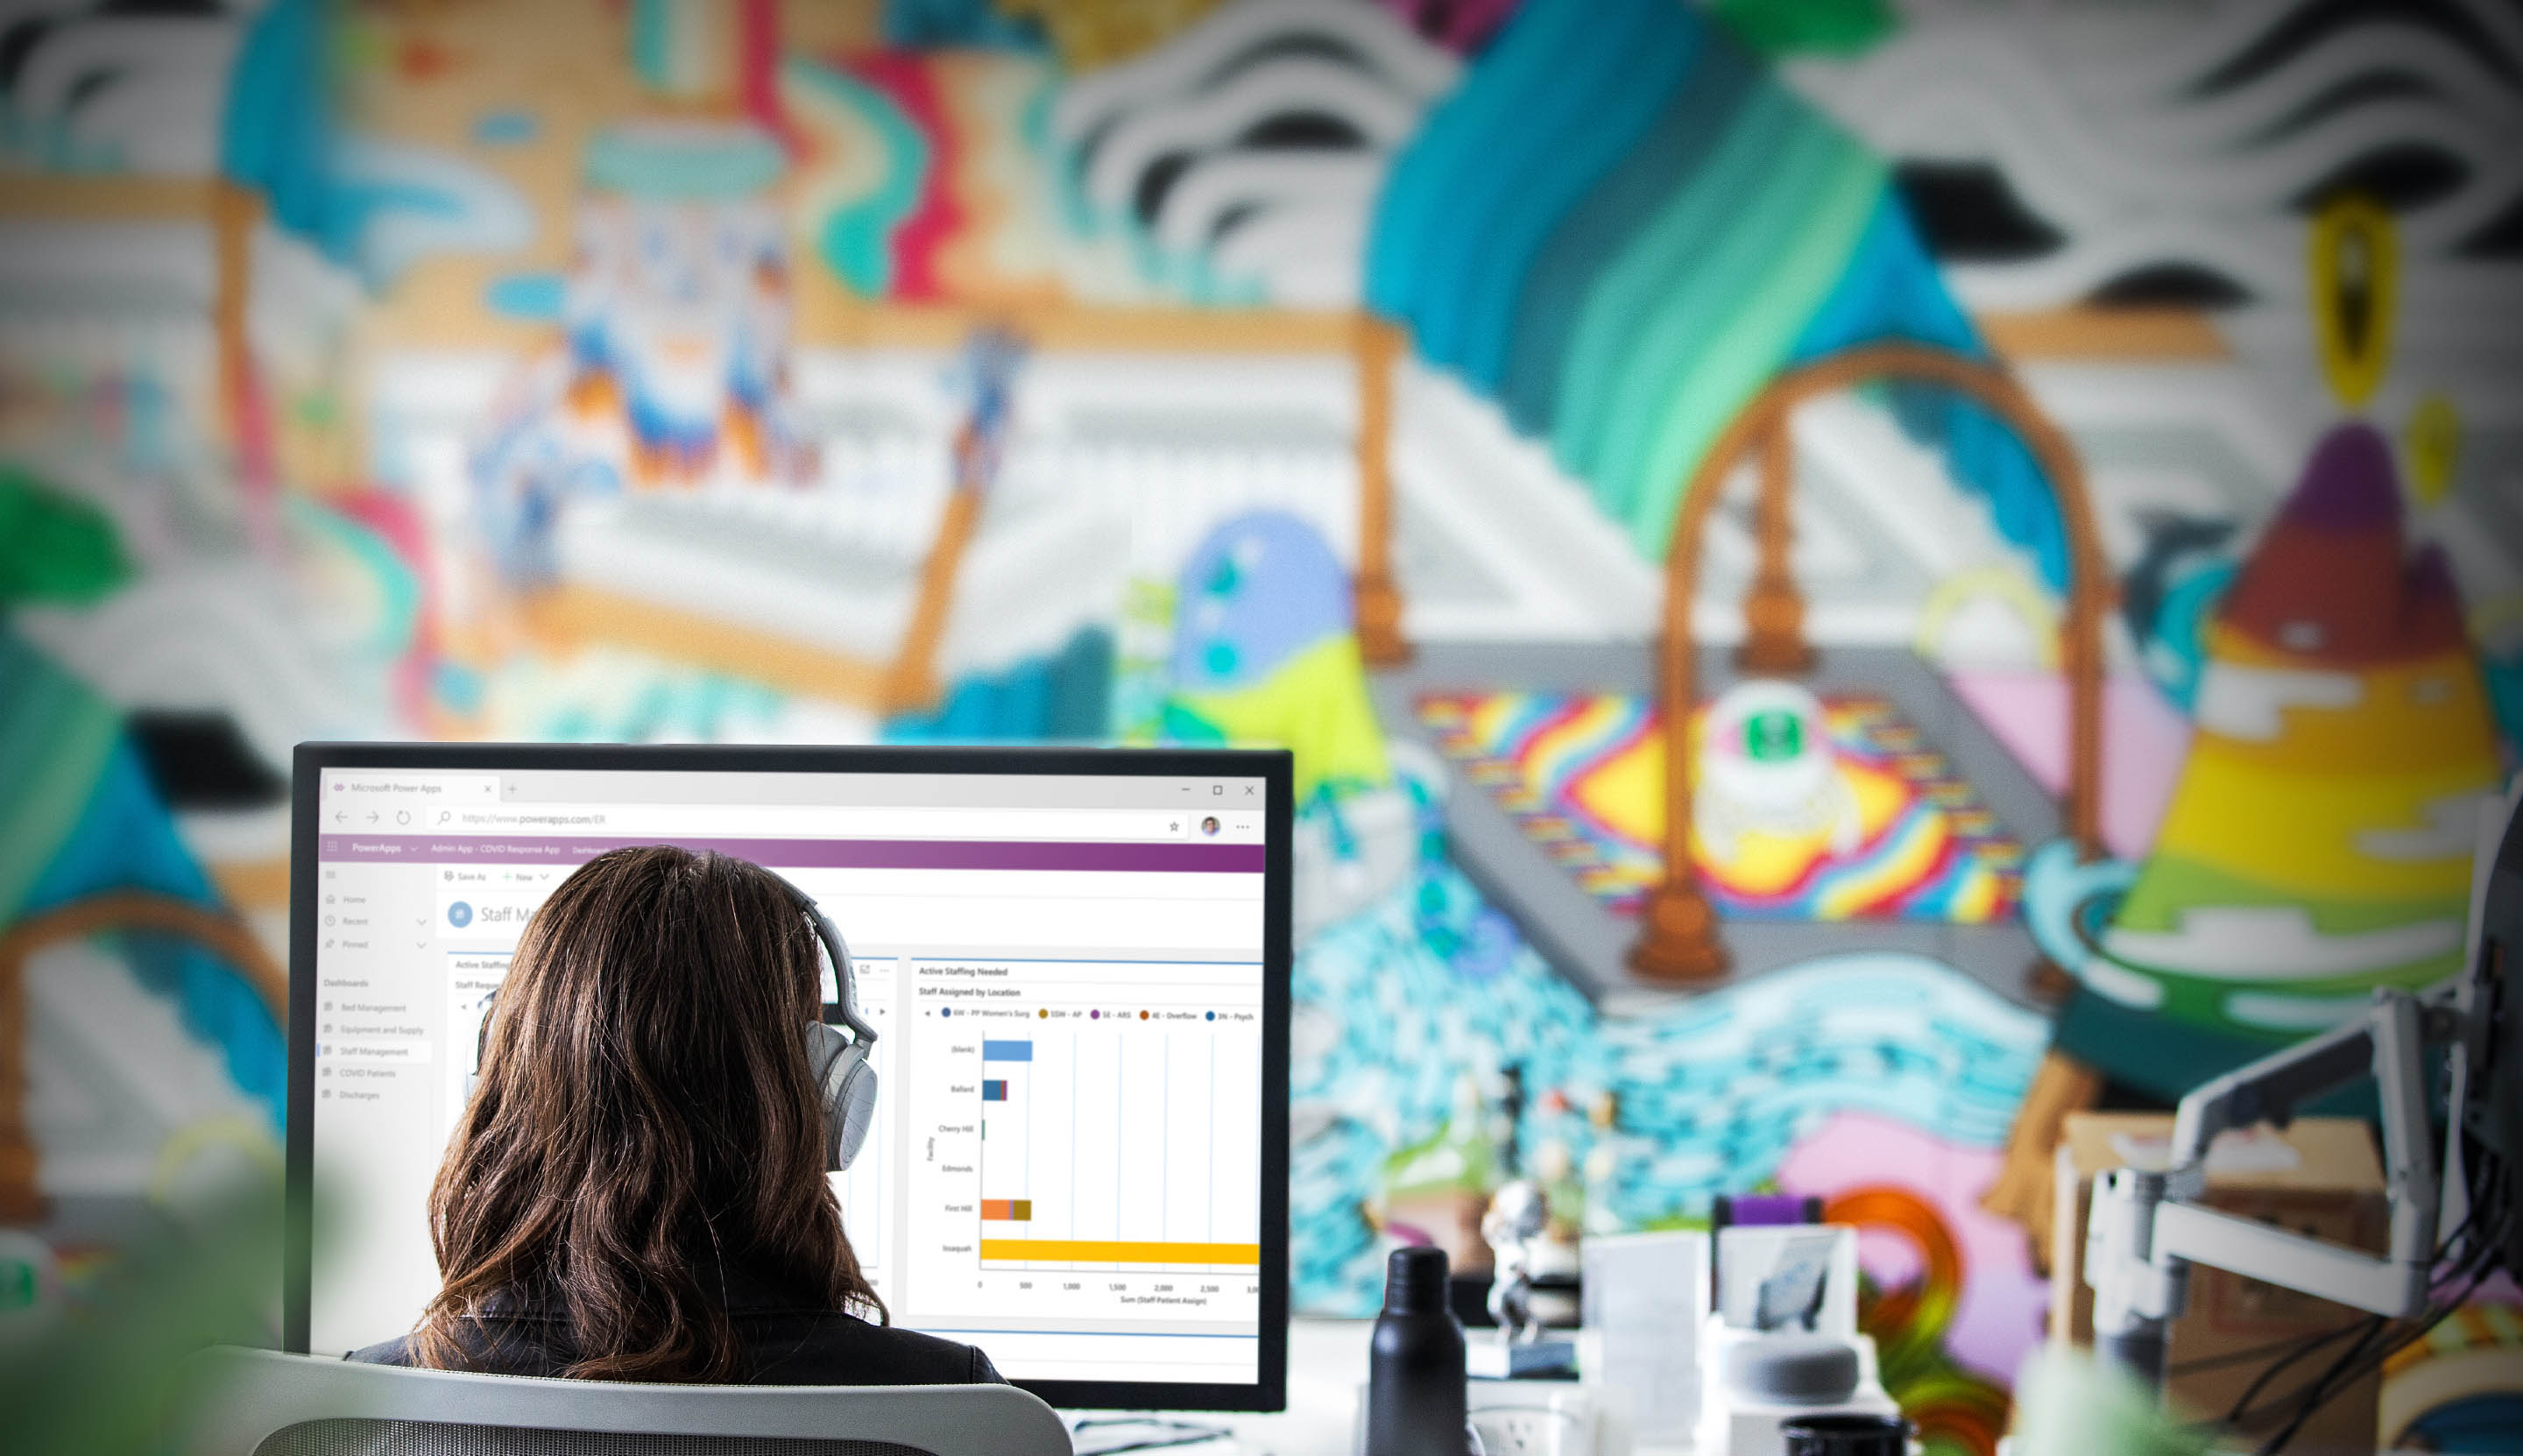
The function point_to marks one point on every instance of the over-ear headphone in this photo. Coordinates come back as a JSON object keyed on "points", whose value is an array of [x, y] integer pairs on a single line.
{"points": [[838, 1064]]}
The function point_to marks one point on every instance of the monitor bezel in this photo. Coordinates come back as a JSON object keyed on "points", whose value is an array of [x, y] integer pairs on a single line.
{"points": [[1275, 766]]}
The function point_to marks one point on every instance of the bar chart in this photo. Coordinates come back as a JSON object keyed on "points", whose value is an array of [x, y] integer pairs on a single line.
{"points": [[1084, 1144], [1127, 1147]]}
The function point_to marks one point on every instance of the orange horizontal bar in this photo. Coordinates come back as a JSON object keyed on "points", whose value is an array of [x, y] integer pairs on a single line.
{"points": [[1118, 1251], [1007, 1210], [77, 197], [827, 316], [2087, 332], [567, 618]]}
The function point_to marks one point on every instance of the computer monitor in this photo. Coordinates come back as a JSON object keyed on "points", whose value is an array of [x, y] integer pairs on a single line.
{"points": [[1076, 961]]}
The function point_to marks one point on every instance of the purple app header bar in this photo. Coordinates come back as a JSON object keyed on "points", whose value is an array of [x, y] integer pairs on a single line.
{"points": [[808, 853]]}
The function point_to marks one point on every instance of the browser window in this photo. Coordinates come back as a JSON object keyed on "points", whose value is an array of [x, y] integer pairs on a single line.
{"points": [[1065, 973]]}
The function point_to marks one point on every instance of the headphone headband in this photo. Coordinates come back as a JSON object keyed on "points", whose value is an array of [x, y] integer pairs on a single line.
{"points": [[843, 1011]]}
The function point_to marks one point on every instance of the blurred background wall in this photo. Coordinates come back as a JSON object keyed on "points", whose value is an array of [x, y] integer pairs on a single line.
{"points": [[2104, 571]]}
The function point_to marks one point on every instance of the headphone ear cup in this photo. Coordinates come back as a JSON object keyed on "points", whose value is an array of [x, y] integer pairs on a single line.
{"points": [[846, 1084], [852, 1113]]}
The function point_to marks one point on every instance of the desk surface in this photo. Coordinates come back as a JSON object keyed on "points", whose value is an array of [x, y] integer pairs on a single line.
{"points": [[1327, 1367]]}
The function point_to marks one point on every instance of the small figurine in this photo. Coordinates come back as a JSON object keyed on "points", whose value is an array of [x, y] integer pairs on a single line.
{"points": [[1518, 1214]]}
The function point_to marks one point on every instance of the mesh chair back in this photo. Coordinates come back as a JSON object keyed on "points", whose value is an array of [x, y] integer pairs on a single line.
{"points": [[240, 1402], [350, 1437]]}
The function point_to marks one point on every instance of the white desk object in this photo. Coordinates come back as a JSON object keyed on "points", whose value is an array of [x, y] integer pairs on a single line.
{"points": [[1783, 1341], [1646, 1298], [1327, 1372], [1551, 1418]]}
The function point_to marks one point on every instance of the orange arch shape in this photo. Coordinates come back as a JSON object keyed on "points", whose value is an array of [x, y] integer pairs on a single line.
{"points": [[1963, 1410], [119, 910], [1679, 940]]}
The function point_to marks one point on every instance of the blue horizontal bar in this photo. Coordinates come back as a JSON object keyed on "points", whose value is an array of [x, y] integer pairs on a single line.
{"points": [[1007, 1051]]}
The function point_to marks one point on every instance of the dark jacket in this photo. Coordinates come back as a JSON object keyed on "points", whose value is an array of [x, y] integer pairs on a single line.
{"points": [[785, 1343]]}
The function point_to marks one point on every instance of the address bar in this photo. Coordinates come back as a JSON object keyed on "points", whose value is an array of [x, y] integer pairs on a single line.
{"points": [[812, 821]]}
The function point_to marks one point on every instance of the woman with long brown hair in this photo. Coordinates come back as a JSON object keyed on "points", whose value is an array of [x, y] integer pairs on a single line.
{"points": [[637, 1190]]}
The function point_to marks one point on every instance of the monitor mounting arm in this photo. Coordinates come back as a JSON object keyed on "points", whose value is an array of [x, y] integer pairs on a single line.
{"points": [[2148, 1227]]}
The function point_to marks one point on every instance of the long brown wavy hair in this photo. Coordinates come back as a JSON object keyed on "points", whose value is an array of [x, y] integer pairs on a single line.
{"points": [[645, 1125]]}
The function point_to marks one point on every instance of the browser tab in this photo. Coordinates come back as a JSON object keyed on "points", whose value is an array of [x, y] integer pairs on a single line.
{"points": [[406, 790]]}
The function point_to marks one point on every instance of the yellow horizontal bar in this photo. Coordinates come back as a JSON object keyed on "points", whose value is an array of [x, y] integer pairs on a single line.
{"points": [[1114, 1251]]}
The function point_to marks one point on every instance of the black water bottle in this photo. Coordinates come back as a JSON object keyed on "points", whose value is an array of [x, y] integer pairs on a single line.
{"points": [[1414, 1394]]}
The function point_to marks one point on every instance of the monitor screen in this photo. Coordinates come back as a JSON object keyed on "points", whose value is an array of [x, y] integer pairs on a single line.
{"points": [[1074, 962]]}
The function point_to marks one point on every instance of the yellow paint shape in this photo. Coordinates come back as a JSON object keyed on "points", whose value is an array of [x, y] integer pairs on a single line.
{"points": [[1764, 863], [1768, 863], [213, 1137], [1552, 752], [2438, 701], [1977, 902], [2355, 294], [2433, 447], [2005, 585], [2311, 834], [1626, 793], [1917, 852]]}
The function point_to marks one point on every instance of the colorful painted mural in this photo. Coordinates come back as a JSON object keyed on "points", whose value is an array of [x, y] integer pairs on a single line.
{"points": [[1814, 809], [1334, 374], [2306, 856]]}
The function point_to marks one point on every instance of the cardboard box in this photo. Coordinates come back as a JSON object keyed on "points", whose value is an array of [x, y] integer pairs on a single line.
{"points": [[2320, 1176]]}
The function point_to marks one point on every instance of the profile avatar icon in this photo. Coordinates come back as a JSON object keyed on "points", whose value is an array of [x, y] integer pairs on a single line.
{"points": [[1209, 825], [460, 914]]}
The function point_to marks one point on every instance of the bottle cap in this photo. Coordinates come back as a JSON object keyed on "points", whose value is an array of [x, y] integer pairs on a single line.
{"points": [[1414, 1281]]}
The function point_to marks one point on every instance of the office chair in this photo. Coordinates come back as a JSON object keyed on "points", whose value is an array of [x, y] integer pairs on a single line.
{"points": [[242, 1402]]}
